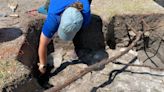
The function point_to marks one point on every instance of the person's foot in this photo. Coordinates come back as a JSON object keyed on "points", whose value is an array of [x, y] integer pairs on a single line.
{"points": [[42, 10]]}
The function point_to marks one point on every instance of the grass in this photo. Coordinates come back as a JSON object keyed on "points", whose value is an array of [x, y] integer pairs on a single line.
{"points": [[3, 68], [109, 8], [9, 70], [6, 68]]}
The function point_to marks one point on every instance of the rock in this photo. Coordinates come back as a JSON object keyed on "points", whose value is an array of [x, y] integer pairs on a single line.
{"points": [[14, 15], [69, 71], [113, 78], [3, 15], [131, 33], [70, 55], [125, 82], [55, 58], [147, 34]]}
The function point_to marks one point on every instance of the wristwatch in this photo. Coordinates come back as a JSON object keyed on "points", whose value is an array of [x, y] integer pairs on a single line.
{"points": [[42, 66]]}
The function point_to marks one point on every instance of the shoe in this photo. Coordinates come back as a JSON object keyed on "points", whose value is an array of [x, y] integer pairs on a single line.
{"points": [[42, 10]]}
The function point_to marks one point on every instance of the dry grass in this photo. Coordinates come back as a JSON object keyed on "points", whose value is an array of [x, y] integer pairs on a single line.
{"points": [[6, 70], [10, 70], [108, 8]]}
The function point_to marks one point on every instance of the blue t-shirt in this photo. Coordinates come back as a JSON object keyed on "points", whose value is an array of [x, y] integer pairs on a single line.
{"points": [[56, 8]]}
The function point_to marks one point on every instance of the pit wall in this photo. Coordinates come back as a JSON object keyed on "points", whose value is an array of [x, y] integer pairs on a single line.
{"points": [[27, 55]]}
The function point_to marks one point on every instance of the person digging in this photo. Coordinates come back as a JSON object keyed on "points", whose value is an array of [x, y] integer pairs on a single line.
{"points": [[65, 18]]}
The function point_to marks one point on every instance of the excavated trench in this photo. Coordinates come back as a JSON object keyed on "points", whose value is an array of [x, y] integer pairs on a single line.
{"points": [[28, 54], [150, 48], [88, 41]]}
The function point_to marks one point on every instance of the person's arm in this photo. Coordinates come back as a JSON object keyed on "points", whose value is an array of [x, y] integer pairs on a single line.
{"points": [[44, 41], [48, 30]]}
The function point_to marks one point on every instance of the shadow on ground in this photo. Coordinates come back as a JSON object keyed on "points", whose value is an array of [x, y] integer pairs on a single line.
{"points": [[113, 74]]}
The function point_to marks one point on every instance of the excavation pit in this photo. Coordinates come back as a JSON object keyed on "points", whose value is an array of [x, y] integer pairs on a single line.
{"points": [[86, 43], [28, 53]]}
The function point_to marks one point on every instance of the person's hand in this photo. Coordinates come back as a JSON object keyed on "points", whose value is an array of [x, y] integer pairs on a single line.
{"points": [[42, 68]]}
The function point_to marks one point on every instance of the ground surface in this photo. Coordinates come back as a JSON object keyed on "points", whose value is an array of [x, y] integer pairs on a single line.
{"points": [[108, 8], [143, 80]]}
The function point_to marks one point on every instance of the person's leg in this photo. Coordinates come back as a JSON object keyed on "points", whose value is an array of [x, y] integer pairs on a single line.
{"points": [[44, 41]]}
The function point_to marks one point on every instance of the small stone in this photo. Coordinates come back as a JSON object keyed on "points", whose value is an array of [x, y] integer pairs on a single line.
{"points": [[131, 33], [133, 52], [122, 49], [147, 33], [14, 15], [3, 15]]}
